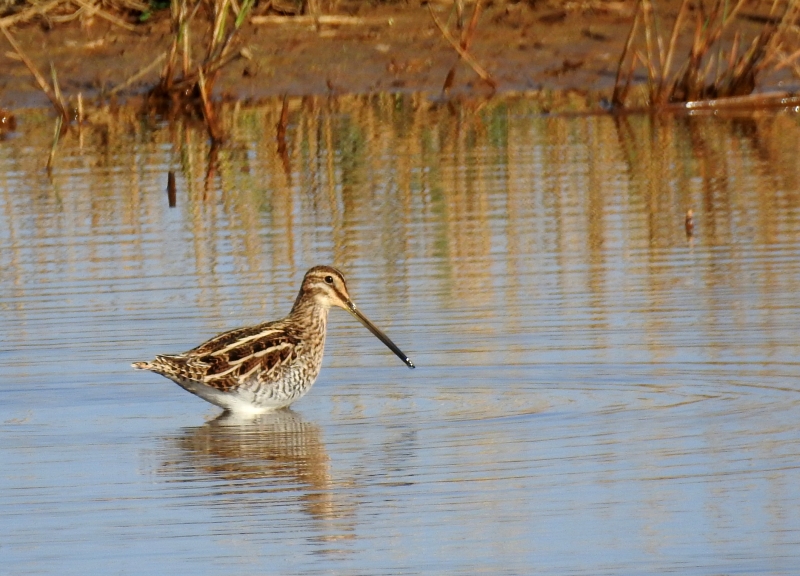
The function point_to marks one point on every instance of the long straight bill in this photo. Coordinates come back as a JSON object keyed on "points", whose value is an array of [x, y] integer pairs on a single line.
{"points": [[380, 335]]}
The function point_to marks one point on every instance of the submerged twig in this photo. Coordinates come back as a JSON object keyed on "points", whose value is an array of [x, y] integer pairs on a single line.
{"points": [[280, 127], [56, 138], [171, 191]]}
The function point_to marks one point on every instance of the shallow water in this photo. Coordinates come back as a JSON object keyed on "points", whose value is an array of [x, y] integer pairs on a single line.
{"points": [[596, 392]]}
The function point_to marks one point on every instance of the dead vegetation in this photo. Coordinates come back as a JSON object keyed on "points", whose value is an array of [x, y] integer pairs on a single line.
{"points": [[53, 12], [53, 92], [462, 45], [719, 63], [187, 82], [8, 122], [697, 53]]}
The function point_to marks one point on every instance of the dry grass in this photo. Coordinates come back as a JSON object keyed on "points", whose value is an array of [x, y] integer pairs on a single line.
{"points": [[186, 83], [462, 45], [52, 12], [719, 63], [225, 18], [186, 80], [53, 92]]}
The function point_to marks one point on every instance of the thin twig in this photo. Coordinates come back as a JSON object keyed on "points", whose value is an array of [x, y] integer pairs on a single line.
{"points": [[735, 11], [618, 99], [631, 69], [734, 50], [748, 101], [647, 11], [787, 60], [186, 31], [469, 33], [479, 70], [25, 15], [208, 112], [216, 45], [306, 20], [222, 53], [57, 103], [57, 90], [56, 138], [103, 14], [671, 51], [154, 64]]}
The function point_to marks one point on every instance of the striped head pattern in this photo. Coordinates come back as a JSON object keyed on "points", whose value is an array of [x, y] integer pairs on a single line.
{"points": [[325, 286]]}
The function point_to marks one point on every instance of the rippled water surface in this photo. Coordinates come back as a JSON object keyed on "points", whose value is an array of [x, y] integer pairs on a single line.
{"points": [[596, 392]]}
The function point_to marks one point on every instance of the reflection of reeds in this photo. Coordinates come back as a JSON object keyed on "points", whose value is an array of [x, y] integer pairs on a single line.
{"points": [[280, 129], [53, 93], [717, 65], [391, 179], [383, 185], [559, 209], [56, 137]]}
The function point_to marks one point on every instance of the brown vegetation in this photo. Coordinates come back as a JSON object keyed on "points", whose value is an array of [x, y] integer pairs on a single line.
{"points": [[687, 51], [719, 63]]}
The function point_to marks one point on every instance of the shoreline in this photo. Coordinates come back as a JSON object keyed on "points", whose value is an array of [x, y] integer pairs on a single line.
{"points": [[361, 50]]}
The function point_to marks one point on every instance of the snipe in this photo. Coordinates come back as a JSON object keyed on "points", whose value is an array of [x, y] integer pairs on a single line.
{"points": [[267, 366]]}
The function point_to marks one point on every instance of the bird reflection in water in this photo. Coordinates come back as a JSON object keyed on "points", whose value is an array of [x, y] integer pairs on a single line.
{"points": [[246, 465]]}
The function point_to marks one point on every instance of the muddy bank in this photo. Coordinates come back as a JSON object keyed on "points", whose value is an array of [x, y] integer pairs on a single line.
{"points": [[535, 46]]}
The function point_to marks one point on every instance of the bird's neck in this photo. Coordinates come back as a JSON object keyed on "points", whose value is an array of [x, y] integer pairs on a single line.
{"points": [[310, 313]]}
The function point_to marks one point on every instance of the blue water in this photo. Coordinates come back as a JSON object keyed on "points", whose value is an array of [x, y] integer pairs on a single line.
{"points": [[596, 392]]}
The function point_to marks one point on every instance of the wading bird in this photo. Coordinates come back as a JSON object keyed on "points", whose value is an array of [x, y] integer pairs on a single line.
{"points": [[267, 366]]}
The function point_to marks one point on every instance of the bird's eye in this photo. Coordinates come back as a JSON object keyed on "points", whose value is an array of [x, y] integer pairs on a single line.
{"points": [[329, 279]]}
